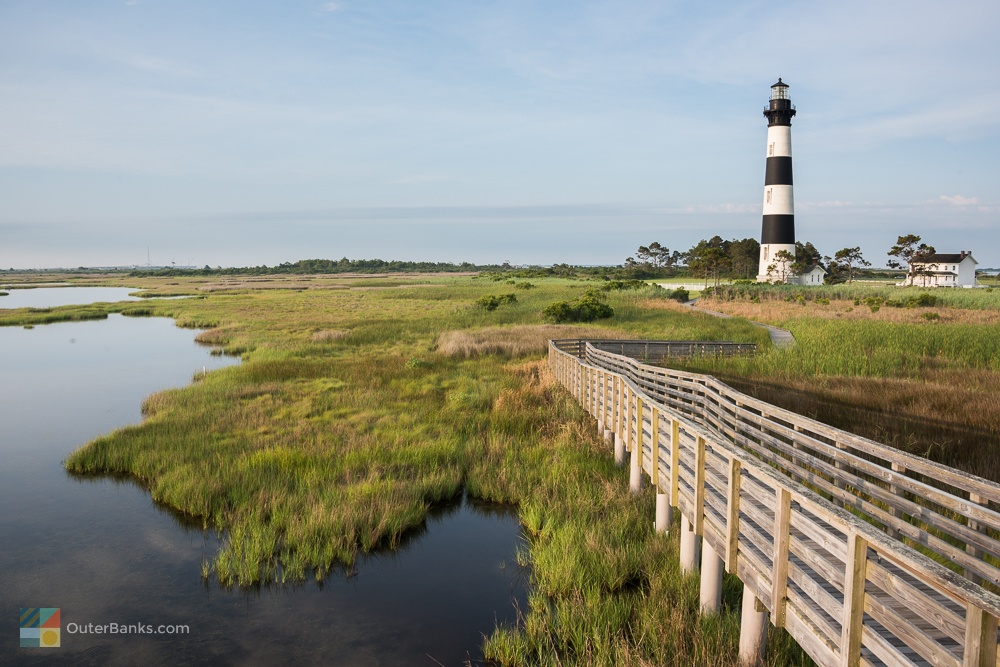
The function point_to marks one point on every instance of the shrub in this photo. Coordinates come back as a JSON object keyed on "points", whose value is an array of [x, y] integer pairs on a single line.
{"points": [[493, 301], [585, 309], [930, 317], [523, 286], [873, 302], [614, 285], [823, 302], [681, 295]]}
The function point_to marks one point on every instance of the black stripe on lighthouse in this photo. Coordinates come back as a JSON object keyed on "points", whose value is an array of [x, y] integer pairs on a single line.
{"points": [[778, 229], [779, 171]]}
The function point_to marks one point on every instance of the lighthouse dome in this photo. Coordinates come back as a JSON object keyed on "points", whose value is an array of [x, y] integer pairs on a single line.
{"points": [[779, 91]]}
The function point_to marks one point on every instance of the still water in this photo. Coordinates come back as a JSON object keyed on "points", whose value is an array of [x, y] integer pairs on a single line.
{"points": [[103, 552], [51, 297]]}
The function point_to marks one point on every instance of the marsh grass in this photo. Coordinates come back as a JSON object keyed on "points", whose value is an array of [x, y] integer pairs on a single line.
{"points": [[320, 446], [516, 341]]}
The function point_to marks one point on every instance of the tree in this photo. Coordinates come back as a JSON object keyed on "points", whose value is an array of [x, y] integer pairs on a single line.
{"points": [[656, 252], [643, 254], [916, 257], [708, 261], [781, 267], [849, 258], [745, 256]]}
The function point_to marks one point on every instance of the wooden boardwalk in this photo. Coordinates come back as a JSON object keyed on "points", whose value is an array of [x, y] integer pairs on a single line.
{"points": [[865, 554]]}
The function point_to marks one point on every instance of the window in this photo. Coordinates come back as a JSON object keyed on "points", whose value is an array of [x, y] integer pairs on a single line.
{"points": [[770, 150], [769, 195], [765, 253]]}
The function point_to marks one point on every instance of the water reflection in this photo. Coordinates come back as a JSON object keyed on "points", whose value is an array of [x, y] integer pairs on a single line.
{"points": [[99, 548], [44, 297]]}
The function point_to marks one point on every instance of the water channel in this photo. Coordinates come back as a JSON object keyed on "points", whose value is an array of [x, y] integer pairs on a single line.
{"points": [[103, 552]]}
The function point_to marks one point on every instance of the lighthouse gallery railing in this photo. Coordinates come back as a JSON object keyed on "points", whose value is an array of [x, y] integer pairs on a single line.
{"points": [[843, 539]]}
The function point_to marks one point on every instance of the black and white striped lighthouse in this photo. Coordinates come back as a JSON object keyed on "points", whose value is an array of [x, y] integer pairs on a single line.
{"points": [[778, 231]]}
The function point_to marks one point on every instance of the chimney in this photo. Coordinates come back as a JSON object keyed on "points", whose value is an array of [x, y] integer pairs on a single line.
{"points": [[961, 254]]}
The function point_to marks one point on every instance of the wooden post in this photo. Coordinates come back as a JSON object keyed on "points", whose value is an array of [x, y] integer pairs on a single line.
{"points": [[779, 572], [635, 471], [675, 468], [838, 482], [733, 522], [627, 423], [753, 630], [896, 491], [972, 549], [654, 447], [980, 638], [854, 600], [699, 487]]}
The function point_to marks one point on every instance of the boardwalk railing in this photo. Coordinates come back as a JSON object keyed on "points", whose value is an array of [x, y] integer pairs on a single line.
{"points": [[865, 554]]}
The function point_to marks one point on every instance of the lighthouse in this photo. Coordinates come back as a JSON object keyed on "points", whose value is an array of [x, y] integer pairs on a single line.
{"points": [[778, 230]]}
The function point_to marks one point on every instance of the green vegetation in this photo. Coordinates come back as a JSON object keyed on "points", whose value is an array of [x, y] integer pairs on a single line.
{"points": [[491, 302], [585, 309], [353, 411], [921, 375]]}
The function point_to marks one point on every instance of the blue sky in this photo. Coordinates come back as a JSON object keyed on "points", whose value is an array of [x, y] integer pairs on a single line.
{"points": [[237, 133]]}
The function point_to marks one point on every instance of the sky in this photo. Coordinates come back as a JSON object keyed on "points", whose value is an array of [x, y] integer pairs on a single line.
{"points": [[247, 133]]}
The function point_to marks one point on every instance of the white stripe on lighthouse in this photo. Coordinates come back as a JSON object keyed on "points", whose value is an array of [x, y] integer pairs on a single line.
{"points": [[779, 141], [778, 200]]}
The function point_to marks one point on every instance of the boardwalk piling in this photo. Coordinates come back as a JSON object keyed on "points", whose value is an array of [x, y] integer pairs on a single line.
{"points": [[635, 469], [689, 546], [619, 450], [753, 630], [711, 580], [664, 513]]}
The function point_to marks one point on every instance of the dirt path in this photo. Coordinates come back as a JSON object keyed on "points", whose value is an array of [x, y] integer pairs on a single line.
{"points": [[781, 338]]}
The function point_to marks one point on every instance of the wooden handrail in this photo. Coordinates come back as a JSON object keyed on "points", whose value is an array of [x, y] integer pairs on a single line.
{"points": [[842, 539]]}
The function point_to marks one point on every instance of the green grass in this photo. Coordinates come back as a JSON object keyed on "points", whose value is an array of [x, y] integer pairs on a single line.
{"points": [[311, 451], [869, 349], [973, 299]]}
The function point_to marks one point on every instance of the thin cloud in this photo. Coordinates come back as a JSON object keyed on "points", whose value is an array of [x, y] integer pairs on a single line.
{"points": [[959, 200], [330, 7]]}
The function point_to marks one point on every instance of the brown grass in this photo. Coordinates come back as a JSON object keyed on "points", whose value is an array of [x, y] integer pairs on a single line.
{"points": [[950, 416], [778, 311], [516, 341], [329, 335]]}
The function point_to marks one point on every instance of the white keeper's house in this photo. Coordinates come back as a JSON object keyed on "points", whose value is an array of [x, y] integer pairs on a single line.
{"points": [[945, 270]]}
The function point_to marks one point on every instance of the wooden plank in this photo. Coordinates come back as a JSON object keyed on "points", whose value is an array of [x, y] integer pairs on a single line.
{"points": [[923, 605], [819, 595], [883, 650], [854, 600], [751, 535], [824, 630], [915, 638], [733, 520], [779, 578], [810, 640], [823, 538], [818, 562]]}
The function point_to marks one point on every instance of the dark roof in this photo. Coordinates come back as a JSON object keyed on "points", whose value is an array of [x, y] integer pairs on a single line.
{"points": [[779, 84], [950, 258]]}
